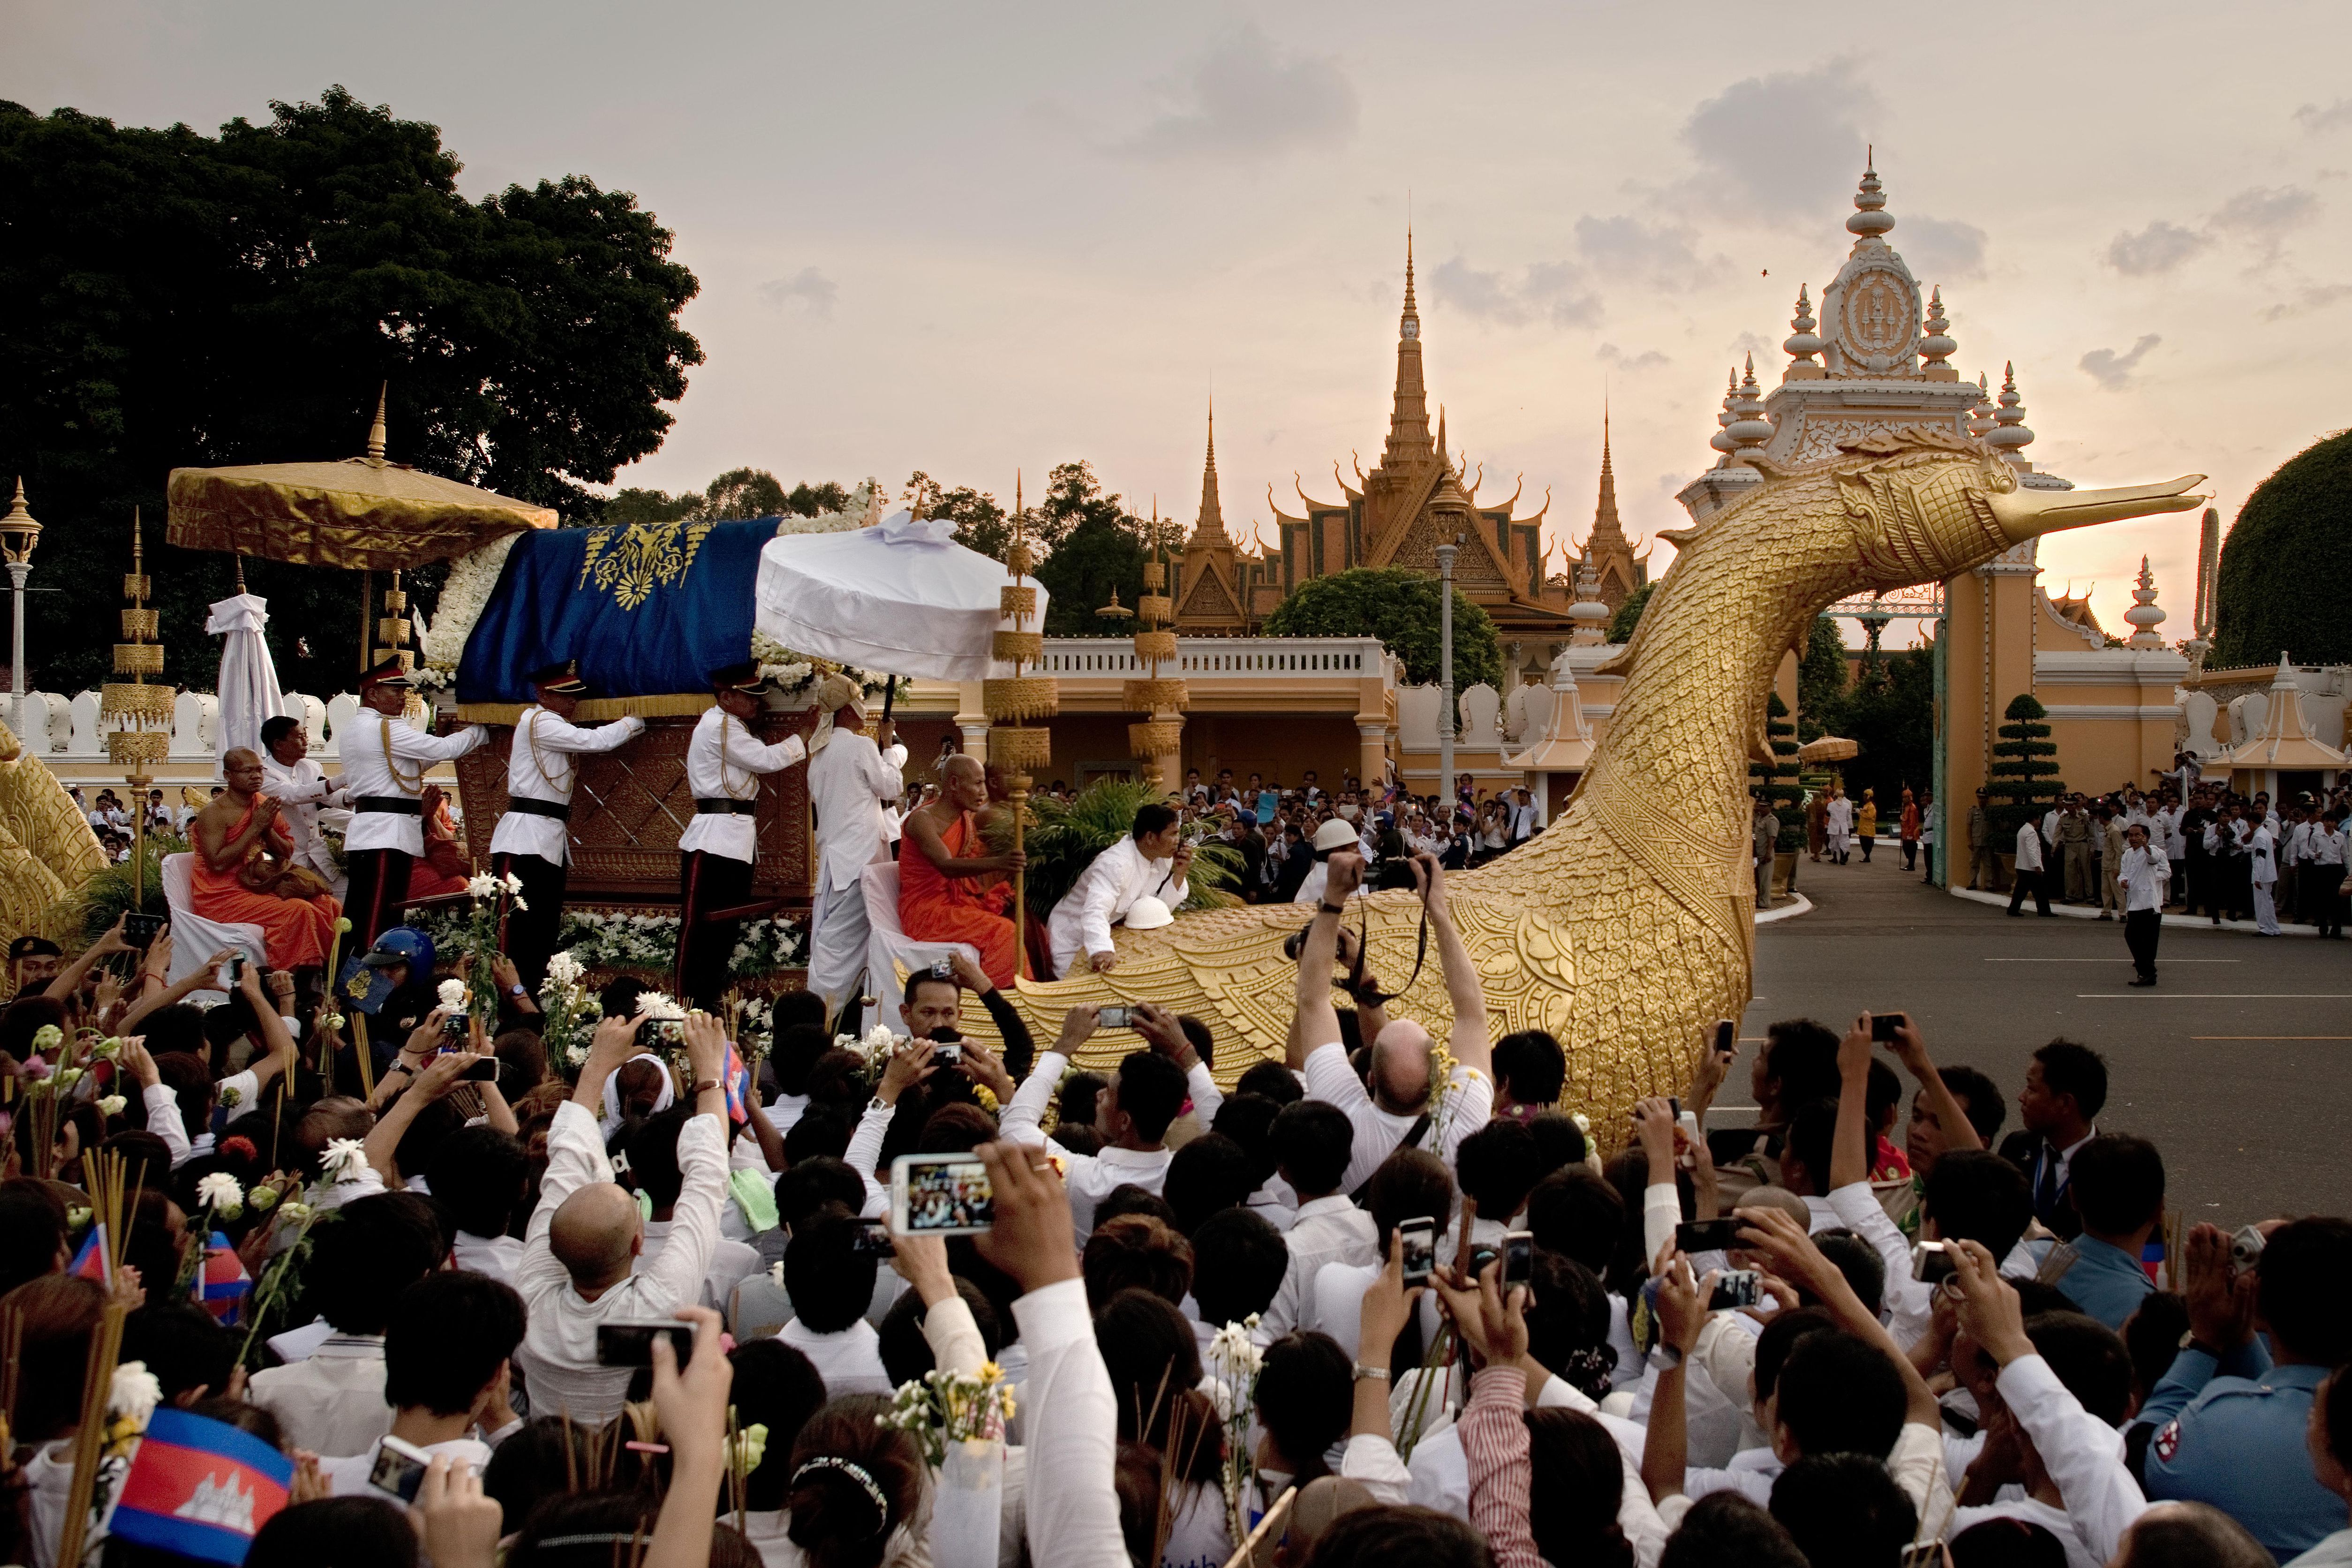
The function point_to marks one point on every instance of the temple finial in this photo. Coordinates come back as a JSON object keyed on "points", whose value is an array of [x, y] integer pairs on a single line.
{"points": [[375, 431]]}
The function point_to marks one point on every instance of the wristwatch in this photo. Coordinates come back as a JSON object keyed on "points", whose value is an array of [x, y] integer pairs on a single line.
{"points": [[1332, 908], [517, 988], [696, 1091], [1668, 1357], [878, 1103], [1370, 1373]]}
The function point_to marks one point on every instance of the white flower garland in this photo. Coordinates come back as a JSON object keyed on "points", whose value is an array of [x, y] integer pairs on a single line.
{"points": [[473, 578]]}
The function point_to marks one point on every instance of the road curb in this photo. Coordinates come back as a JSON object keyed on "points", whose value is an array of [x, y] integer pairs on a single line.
{"points": [[2177, 923], [1798, 905]]}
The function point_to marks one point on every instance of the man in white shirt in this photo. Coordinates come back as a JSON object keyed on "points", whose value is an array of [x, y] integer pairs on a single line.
{"points": [[2261, 856], [2142, 878], [654, 1171], [1330, 839], [724, 761], [300, 787], [1132, 1111], [584, 1239], [1311, 1141], [2029, 875], [533, 840], [2328, 842], [384, 763], [446, 1352], [1150, 863], [851, 777], [831, 1281], [1398, 1108]]}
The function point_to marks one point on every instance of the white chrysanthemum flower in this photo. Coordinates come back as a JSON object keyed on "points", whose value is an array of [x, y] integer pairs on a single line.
{"points": [[482, 885], [452, 993], [219, 1190], [564, 969], [134, 1393], [519, 901], [659, 1005], [513, 883], [297, 1212], [111, 1105], [345, 1160]]}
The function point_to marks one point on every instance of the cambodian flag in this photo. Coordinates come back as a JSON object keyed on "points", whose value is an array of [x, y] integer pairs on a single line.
{"points": [[90, 1262], [200, 1487], [739, 1086], [225, 1284]]}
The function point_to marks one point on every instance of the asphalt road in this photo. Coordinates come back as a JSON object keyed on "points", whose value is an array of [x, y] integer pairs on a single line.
{"points": [[2238, 1065]]}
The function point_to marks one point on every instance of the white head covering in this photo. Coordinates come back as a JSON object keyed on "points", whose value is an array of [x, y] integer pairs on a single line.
{"points": [[834, 692], [662, 1101]]}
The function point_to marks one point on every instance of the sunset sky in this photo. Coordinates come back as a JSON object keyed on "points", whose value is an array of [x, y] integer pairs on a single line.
{"points": [[969, 238]]}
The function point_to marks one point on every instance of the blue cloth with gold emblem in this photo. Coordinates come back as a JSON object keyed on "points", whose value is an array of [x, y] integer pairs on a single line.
{"points": [[646, 608]]}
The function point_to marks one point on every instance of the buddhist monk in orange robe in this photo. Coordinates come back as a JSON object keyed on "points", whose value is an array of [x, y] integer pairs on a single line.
{"points": [[950, 889], [243, 854]]}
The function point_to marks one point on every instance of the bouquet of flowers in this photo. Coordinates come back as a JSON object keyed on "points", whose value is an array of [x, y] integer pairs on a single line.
{"points": [[944, 1408], [568, 1009], [479, 938], [875, 1048], [1234, 1359]]}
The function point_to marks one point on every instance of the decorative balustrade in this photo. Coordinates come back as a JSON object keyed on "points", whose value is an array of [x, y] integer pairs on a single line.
{"points": [[1341, 658], [56, 727]]}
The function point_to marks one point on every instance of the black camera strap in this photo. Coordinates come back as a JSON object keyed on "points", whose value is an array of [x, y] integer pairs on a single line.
{"points": [[1374, 996]]}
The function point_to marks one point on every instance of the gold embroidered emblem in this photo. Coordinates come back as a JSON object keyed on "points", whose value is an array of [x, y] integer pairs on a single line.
{"points": [[630, 562]]}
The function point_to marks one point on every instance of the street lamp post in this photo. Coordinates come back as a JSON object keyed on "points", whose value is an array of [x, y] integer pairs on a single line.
{"points": [[18, 534], [1445, 717]]}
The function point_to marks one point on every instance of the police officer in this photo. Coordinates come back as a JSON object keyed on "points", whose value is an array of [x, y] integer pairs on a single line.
{"points": [[533, 841], [2229, 1419], [384, 760], [724, 765]]}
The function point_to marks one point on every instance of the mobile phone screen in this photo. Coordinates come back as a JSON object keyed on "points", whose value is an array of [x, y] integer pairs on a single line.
{"points": [[1519, 1258], [1883, 1026], [632, 1343], [940, 1195], [1419, 1249], [397, 1474], [1726, 1035]]}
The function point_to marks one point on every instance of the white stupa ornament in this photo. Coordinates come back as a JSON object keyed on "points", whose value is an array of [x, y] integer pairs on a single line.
{"points": [[1980, 420], [1871, 220], [2010, 435], [1721, 440], [1937, 346], [1803, 343], [2143, 615], [1589, 615], [1750, 430]]}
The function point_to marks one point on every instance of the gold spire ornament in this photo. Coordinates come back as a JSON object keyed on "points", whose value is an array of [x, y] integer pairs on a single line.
{"points": [[1161, 735], [139, 715], [1014, 746]]}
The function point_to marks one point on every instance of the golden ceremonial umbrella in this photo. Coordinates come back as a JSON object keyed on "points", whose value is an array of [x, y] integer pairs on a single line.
{"points": [[366, 513], [1828, 749]]}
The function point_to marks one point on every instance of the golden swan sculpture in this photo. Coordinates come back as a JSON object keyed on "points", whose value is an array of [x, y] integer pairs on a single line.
{"points": [[1625, 929]]}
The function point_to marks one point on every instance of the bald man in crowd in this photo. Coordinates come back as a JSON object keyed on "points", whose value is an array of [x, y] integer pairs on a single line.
{"points": [[584, 1239]]}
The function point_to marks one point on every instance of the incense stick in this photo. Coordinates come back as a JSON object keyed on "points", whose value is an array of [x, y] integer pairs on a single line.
{"points": [[90, 1438]]}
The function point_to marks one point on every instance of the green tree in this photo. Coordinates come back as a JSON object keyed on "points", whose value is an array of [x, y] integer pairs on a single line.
{"points": [[981, 523], [1891, 715], [634, 505], [1400, 607], [1093, 545], [1820, 682], [1776, 780], [1629, 614], [2279, 588], [741, 493], [2023, 781], [169, 298]]}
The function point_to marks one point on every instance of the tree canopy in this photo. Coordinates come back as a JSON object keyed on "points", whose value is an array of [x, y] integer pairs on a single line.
{"points": [[170, 298], [2280, 587], [1820, 680], [1400, 607], [1629, 614]]}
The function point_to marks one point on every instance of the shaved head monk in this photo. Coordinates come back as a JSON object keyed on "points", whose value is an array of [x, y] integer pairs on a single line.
{"points": [[950, 889], [245, 871]]}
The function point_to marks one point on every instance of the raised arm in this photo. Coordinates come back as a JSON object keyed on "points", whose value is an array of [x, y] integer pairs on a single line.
{"points": [[1317, 1021], [745, 750], [70, 978], [702, 1167], [410, 744], [276, 1039], [1850, 1151], [1020, 1050], [552, 733], [1023, 1119], [1468, 1040], [198, 979], [1911, 1050]]}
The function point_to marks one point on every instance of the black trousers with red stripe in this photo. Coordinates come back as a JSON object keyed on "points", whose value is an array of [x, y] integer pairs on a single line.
{"points": [[376, 891], [708, 881]]}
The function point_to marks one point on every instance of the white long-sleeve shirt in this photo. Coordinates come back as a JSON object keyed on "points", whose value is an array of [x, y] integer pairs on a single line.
{"points": [[559, 1348], [387, 758], [1072, 1444], [2083, 1455], [847, 783], [2264, 848], [300, 790], [2029, 848], [722, 762], [1090, 1177], [2144, 871], [1327, 1230], [541, 765], [1102, 895], [1330, 1079]]}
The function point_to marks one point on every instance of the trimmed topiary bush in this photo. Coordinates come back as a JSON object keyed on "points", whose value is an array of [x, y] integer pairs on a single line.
{"points": [[2284, 563]]}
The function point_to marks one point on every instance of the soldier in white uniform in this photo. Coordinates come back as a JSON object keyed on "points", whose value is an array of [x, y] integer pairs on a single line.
{"points": [[1149, 863], [300, 787], [384, 762], [533, 840], [2263, 871], [724, 765], [851, 776]]}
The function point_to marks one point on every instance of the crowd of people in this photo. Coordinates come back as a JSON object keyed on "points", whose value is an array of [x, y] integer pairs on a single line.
{"points": [[1695, 1339]]}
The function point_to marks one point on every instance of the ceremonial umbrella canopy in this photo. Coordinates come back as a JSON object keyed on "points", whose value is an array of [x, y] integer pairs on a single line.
{"points": [[1828, 749], [365, 513], [902, 597]]}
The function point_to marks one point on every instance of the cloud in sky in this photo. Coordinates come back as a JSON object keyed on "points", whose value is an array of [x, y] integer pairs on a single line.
{"points": [[2316, 297], [807, 290], [2335, 117], [1248, 97], [1942, 250], [1648, 359], [1553, 292], [2112, 371], [1780, 144], [2264, 216], [2159, 247], [1661, 256]]}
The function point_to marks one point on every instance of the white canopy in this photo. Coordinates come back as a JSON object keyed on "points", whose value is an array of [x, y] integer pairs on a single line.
{"points": [[898, 598], [248, 677]]}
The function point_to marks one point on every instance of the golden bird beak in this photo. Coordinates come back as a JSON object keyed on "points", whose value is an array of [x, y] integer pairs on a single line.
{"points": [[2026, 514]]}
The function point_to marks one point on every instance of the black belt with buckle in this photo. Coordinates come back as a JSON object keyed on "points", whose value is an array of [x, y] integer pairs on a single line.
{"points": [[560, 810], [389, 805], [725, 805]]}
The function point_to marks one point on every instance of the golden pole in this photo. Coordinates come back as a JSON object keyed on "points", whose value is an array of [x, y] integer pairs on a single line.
{"points": [[1011, 745], [367, 625]]}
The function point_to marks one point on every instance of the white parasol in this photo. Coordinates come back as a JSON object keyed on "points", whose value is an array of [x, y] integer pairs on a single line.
{"points": [[899, 598], [248, 679]]}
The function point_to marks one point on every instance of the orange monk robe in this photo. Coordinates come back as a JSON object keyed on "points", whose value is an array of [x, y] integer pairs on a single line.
{"points": [[294, 932], [443, 869], [935, 907]]}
